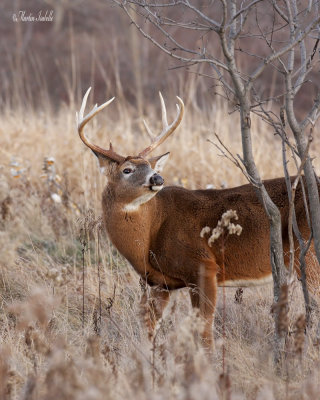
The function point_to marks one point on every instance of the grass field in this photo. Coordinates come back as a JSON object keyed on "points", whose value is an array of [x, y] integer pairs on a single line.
{"points": [[60, 339]]}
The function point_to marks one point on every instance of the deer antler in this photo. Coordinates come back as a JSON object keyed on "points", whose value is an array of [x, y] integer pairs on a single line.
{"points": [[167, 129], [82, 121]]}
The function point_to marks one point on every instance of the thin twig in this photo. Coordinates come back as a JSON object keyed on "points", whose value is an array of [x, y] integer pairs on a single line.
{"points": [[133, 343], [228, 155], [99, 277], [291, 206], [83, 269]]}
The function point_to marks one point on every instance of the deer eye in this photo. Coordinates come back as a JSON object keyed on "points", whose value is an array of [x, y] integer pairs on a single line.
{"points": [[127, 171]]}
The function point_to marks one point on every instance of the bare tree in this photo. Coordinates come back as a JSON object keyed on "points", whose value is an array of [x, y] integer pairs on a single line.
{"points": [[237, 43], [295, 75], [296, 70]]}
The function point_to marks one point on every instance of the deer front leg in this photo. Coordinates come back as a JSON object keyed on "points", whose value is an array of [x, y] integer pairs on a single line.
{"points": [[203, 297], [153, 302]]}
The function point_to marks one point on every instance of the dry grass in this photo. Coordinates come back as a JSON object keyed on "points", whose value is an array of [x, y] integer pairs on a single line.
{"points": [[54, 346]]}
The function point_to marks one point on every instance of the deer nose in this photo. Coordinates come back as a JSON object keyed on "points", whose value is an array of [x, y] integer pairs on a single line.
{"points": [[156, 180]]}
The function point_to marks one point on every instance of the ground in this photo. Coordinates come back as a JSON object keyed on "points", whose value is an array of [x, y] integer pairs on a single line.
{"points": [[71, 322]]}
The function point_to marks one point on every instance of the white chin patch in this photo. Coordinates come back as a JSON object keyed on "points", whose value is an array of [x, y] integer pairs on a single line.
{"points": [[136, 203], [156, 188]]}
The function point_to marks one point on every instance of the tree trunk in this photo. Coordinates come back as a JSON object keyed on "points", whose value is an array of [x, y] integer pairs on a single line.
{"points": [[274, 216]]}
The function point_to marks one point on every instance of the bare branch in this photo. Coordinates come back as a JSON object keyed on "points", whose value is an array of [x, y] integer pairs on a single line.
{"points": [[276, 55], [222, 79], [155, 21], [291, 205], [229, 156], [243, 10], [313, 115], [155, 5], [215, 25], [280, 12], [167, 51]]}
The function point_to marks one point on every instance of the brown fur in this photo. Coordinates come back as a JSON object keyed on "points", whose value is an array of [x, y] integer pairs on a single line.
{"points": [[162, 239], [158, 231]]}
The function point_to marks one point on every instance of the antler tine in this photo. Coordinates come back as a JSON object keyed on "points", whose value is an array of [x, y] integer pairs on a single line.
{"points": [[163, 112], [83, 105], [82, 121], [167, 129], [149, 131]]}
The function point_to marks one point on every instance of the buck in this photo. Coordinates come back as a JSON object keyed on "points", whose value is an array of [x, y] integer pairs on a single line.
{"points": [[157, 229]]}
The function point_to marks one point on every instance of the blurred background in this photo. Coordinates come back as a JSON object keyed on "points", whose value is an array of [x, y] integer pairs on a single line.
{"points": [[94, 44], [46, 67], [56, 263], [86, 44]]}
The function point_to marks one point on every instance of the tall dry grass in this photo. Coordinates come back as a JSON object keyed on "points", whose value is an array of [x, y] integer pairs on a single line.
{"points": [[59, 338], [71, 324]]}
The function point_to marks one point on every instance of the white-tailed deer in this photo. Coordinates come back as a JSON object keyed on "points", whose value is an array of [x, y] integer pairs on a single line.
{"points": [[157, 229]]}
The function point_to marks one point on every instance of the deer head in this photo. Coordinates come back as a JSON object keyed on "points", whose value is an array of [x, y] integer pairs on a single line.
{"points": [[134, 179]]}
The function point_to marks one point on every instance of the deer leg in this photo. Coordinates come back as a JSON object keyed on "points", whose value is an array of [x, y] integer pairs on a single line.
{"points": [[153, 302], [203, 297]]}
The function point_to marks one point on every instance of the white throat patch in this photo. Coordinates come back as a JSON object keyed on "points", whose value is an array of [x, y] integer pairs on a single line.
{"points": [[136, 203]]}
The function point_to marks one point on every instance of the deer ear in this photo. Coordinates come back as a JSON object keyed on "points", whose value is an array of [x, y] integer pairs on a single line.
{"points": [[158, 163], [106, 165]]}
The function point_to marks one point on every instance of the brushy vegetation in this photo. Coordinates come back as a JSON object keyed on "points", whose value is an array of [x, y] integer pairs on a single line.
{"points": [[71, 322], [60, 338]]}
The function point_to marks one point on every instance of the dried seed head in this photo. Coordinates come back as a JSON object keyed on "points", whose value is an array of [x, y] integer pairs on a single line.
{"points": [[36, 308], [93, 349], [223, 225], [227, 216], [48, 168], [146, 315], [59, 276], [234, 229], [281, 308], [52, 273], [56, 198], [205, 231], [216, 233], [300, 326], [4, 372], [224, 384], [17, 170], [238, 297]]}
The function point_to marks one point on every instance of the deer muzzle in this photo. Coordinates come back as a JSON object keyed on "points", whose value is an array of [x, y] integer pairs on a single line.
{"points": [[156, 182]]}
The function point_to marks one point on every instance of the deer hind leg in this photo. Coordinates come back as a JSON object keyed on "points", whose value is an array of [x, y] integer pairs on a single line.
{"points": [[203, 297], [153, 302]]}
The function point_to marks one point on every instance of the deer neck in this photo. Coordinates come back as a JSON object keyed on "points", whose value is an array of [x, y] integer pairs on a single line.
{"points": [[140, 207], [130, 226]]}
